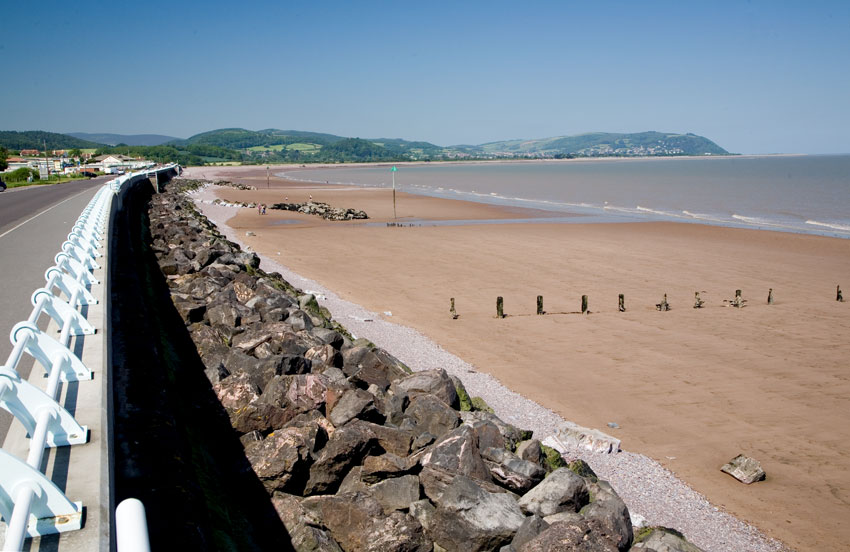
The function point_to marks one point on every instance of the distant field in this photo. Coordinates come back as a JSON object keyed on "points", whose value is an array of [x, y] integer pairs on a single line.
{"points": [[298, 146], [303, 147], [276, 147]]}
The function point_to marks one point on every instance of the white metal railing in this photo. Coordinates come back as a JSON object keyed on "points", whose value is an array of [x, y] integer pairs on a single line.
{"points": [[30, 503]]}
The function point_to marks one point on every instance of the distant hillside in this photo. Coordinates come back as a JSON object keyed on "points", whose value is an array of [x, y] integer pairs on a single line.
{"points": [[604, 144], [39, 139], [129, 139], [240, 138], [404, 147], [273, 144]]}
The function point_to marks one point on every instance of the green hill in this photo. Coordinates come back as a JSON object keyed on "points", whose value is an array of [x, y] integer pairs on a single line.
{"points": [[240, 138], [39, 139], [129, 139], [605, 144]]}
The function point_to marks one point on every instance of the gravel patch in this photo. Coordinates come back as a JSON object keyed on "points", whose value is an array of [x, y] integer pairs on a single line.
{"points": [[652, 493]]}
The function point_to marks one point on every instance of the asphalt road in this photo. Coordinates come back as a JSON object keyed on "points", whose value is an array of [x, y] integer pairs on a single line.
{"points": [[34, 222]]}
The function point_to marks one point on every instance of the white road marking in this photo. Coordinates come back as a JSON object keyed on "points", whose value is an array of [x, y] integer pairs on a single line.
{"points": [[9, 231]]}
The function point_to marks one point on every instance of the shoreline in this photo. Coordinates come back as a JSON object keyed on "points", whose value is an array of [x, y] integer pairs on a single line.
{"points": [[672, 381], [309, 166], [652, 493], [592, 213]]}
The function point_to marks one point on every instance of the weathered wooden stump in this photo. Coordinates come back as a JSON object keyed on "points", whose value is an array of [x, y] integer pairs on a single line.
{"points": [[663, 305], [500, 307], [540, 304], [622, 303], [584, 304], [452, 310], [770, 296], [698, 303], [838, 296]]}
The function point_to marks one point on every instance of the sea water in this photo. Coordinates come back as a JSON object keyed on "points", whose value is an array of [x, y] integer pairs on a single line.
{"points": [[805, 194]]}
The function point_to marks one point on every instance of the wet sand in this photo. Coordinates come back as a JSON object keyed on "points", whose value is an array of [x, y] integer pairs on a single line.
{"points": [[691, 388]]}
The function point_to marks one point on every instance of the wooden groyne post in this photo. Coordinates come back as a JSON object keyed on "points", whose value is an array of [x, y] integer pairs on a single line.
{"points": [[622, 303], [698, 303], [738, 302], [838, 296], [663, 305], [770, 296], [540, 305], [584, 304], [500, 307], [452, 310]]}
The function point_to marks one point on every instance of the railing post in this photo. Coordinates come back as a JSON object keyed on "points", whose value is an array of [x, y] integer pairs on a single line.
{"points": [[131, 527]]}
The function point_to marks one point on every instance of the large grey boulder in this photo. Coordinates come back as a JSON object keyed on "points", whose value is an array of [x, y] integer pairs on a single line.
{"points": [[385, 466], [423, 512], [435, 481], [532, 451], [396, 493], [391, 439], [468, 518], [488, 435], [347, 517], [236, 391], [300, 392], [510, 471], [282, 459], [744, 469], [354, 403], [345, 448], [365, 367], [561, 491], [430, 382], [576, 536], [662, 539], [512, 435], [304, 537], [531, 527], [357, 522], [432, 415], [610, 511], [457, 452]]}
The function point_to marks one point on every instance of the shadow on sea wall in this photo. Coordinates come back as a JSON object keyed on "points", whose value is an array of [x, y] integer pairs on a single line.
{"points": [[174, 447]]}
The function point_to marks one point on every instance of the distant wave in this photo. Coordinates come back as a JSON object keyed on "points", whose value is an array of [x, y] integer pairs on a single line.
{"points": [[657, 212], [842, 227], [703, 216], [621, 209], [757, 221]]}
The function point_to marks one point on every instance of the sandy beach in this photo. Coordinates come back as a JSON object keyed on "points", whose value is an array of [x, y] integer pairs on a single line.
{"points": [[691, 388]]}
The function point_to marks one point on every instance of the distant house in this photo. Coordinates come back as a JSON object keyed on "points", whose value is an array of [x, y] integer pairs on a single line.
{"points": [[117, 161], [19, 163], [60, 153], [30, 153]]}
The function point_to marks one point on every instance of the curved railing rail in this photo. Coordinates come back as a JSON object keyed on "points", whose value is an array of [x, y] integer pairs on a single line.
{"points": [[31, 504]]}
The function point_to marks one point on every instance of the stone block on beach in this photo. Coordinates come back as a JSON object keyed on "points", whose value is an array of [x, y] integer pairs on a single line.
{"points": [[744, 469], [571, 437]]}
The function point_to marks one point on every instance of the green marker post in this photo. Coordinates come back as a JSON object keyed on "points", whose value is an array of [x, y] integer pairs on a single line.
{"points": [[394, 170]]}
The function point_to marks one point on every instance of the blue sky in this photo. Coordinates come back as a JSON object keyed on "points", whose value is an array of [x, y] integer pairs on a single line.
{"points": [[756, 77]]}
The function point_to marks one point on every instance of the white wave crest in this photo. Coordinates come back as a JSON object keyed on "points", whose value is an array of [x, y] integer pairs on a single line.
{"points": [[703, 216], [842, 227]]}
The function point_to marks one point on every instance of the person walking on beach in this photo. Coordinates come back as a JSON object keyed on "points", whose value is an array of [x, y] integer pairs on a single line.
{"points": [[259, 208], [264, 208]]}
